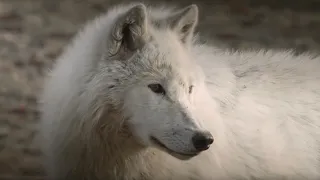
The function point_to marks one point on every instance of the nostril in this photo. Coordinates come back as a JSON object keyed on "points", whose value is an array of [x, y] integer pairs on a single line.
{"points": [[209, 140], [202, 140]]}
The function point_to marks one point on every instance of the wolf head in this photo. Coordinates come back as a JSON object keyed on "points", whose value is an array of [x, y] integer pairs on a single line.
{"points": [[155, 79]]}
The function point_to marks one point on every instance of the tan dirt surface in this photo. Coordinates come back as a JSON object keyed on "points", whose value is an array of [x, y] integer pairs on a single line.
{"points": [[33, 33]]}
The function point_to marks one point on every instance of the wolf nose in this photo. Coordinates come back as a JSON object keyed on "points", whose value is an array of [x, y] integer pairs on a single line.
{"points": [[202, 140]]}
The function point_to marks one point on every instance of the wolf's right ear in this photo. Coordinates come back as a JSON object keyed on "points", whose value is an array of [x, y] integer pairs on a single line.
{"points": [[129, 31]]}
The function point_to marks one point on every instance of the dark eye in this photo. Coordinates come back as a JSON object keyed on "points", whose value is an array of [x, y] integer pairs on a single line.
{"points": [[190, 89], [157, 88]]}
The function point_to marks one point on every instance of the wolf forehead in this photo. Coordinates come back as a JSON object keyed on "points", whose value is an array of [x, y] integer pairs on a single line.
{"points": [[162, 63], [164, 54]]}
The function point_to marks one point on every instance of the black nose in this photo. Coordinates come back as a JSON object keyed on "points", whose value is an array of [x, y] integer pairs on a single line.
{"points": [[202, 140]]}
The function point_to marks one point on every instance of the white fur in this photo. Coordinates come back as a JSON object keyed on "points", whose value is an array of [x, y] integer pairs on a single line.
{"points": [[262, 108]]}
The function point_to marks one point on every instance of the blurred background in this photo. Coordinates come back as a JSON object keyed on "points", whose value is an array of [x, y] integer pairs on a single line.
{"points": [[33, 32]]}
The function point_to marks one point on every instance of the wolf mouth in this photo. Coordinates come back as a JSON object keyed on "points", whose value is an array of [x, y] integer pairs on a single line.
{"points": [[179, 155]]}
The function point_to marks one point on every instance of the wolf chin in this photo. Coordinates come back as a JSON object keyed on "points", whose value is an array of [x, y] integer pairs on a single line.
{"points": [[136, 96]]}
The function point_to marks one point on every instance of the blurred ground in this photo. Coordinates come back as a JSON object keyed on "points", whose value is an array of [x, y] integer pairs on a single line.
{"points": [[33, 32]]}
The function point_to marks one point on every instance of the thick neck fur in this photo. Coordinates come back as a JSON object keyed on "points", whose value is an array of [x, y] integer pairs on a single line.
{"points": [[134, 161]]}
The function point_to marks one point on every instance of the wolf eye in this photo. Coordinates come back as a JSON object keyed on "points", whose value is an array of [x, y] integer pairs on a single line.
{"points": [[157, 88], [190, 89]]}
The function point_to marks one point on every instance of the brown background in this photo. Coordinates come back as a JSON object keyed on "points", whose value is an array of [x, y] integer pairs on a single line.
{"points": [[33, 32]]}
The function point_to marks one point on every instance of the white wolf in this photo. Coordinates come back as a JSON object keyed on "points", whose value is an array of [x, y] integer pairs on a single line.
{"points": [[136, 97]]}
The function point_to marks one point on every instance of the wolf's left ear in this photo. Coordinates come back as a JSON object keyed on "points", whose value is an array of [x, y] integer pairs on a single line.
{"points": [[184, 22]]}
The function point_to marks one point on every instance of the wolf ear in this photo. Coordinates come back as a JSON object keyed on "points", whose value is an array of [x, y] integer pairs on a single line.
{"points": [[184, 22], [129, 31]]}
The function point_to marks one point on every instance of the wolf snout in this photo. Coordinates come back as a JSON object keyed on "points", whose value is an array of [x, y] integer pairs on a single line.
{"points": [[202, 140]]}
